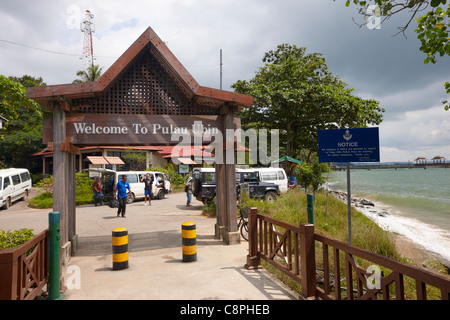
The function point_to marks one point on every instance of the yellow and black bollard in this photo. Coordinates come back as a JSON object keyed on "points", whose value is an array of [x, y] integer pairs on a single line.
{"points": [[189, 236], [120, 248]]}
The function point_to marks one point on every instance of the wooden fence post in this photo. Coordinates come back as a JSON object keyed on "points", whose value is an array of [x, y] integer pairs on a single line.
{"points": [[253, 260], [307, 261], [8, 275]]}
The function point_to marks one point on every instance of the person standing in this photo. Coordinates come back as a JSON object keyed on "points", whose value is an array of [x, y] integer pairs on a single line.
{"points": [[188, 190], [121, 190], [97, 189], [148, 183]]}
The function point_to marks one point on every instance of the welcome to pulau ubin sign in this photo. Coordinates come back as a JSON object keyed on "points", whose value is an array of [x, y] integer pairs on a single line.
{"points": [[179, 131], [140, 129]]}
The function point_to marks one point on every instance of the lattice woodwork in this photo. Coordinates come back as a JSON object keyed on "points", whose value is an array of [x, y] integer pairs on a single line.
{"points": [[146, 88]]}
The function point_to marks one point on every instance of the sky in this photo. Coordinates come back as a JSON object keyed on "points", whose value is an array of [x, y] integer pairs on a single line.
{"points": [[376, 63]]}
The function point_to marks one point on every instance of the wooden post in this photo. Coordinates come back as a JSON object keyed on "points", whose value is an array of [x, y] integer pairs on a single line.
{"points": [[63, 181], [307, 261], [220, 200], [59, 170], [71, 203], [8, 276], [253, 260], [230, 233]]}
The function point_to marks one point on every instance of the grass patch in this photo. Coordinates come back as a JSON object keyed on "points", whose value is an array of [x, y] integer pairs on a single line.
{"points": [[330, 219]]}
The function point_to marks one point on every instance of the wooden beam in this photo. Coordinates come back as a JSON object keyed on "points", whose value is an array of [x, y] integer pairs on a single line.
{"points": [[69, 147]]}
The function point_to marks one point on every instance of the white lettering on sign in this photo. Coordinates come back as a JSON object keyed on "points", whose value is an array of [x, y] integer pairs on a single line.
{"points": [[347, 144], [139, 129], [198, 128], [157, 128], [83, 128]]}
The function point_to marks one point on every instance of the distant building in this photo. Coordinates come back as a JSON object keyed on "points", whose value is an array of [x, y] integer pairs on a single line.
{"points": [[420, 160], [439, 159]]}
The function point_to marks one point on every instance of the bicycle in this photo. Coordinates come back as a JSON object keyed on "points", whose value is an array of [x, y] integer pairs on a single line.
{"points": [[243, 221]]}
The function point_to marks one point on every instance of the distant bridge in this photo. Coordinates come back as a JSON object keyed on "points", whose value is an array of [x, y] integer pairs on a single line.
{"points": [[395, 166]]}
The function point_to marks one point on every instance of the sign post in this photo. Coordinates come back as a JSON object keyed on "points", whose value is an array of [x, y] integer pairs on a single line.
{"points": [[349, 145]]}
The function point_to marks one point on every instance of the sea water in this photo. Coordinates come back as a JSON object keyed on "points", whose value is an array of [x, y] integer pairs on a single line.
{"points": [[417, 200]]}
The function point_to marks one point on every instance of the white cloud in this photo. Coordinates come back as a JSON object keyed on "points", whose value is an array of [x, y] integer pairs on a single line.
{"points": [[416, 133], [379, 66]]}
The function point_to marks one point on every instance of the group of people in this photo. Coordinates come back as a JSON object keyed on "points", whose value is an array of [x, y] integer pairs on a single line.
{"points": [[123, 186]]}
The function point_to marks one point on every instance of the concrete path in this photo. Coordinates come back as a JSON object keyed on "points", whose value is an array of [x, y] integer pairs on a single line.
{"points": [[156, 269]]}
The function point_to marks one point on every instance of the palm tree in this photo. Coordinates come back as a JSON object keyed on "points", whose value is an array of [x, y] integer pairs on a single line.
{"points": [[92, 73]]}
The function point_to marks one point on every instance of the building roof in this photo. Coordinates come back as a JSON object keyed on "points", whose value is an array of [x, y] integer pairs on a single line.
{"points": [[105, 160], [148, 42]]}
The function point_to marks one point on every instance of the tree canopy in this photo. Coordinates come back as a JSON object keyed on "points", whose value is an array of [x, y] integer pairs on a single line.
{"points": [[295, 93], [23, 133], [92, 73], [433, 24]]}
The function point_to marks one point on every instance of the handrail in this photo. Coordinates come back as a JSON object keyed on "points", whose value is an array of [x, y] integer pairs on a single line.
{"points": [[296, 246]]}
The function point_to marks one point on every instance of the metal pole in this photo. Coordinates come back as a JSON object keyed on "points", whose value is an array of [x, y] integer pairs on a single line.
{"points": [[349, 205], [310, 207], [54, 219], [221, 64]]}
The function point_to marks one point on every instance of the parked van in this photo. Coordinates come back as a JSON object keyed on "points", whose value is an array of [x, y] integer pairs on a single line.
{"points": [[273, 175], [161, 183], [204, 185], [14, 184]]}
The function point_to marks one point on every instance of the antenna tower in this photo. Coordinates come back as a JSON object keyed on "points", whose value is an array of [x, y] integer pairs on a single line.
{"points": [[88, 27]]}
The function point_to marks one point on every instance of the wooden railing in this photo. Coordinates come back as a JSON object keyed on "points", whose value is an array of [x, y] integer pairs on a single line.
{"points": [[24, 270], [330, 269]]}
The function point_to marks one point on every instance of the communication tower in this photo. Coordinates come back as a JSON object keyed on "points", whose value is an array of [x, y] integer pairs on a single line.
{"points": [[88, 27]]}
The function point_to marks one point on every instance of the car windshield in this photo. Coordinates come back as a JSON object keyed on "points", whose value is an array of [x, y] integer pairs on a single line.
{"points": [[1, 183], [209, 177], [250, 176]]}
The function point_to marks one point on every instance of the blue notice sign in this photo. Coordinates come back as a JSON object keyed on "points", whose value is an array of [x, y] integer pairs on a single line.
{"points": [[349, 145]]}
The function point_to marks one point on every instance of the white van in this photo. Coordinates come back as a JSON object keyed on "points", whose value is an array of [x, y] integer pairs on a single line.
{"points": [[14, 184], [273, 175], [161, 183]]}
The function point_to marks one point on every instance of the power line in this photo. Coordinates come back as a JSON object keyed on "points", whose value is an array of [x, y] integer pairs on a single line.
{"points": [[78, 55], [50, 51]]}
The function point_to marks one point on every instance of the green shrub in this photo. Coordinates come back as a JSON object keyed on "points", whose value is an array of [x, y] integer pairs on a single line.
{"points": [[83, 191], [176, 179], [13, 239]]}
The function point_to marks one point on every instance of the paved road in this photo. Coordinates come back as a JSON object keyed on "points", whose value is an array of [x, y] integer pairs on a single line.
{"points": [[156, 269]]}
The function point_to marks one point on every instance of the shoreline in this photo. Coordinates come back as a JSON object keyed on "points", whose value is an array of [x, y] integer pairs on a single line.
{"points": [[414, 252]]}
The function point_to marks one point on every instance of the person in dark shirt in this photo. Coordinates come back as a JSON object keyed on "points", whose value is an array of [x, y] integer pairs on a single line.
{"points": [[148, 181]]}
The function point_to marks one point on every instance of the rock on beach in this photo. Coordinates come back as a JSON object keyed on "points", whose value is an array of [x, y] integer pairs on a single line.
{"points": [[361, 203]]}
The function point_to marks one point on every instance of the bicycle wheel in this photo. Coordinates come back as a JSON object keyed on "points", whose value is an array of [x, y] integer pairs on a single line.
{"points": [[244, 230]]}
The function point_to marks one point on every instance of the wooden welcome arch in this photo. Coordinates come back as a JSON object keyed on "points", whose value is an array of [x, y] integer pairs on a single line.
{"points": [[145, 90]]}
